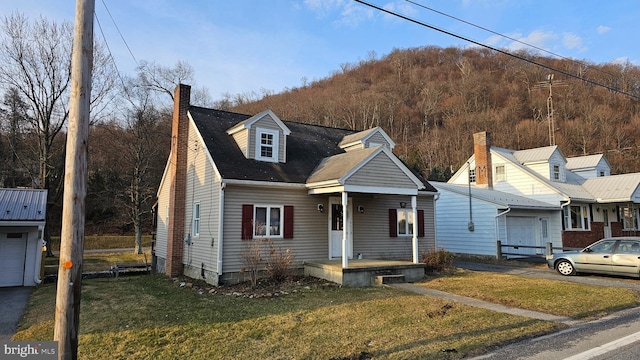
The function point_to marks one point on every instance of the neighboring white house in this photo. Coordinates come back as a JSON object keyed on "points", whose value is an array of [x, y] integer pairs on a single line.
{"points": [[323, 193], [470, 220], [22, 220], [590, 202]]}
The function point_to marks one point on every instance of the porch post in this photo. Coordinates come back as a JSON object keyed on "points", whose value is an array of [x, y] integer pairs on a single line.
{"points": [[345, 225], [414, 239]]}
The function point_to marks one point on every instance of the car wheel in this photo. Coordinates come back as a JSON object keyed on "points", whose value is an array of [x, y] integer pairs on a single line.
{"points": [[564, 267]]}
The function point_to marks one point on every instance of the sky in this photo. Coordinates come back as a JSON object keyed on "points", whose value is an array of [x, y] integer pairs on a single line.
{"points": [[253, 46]]}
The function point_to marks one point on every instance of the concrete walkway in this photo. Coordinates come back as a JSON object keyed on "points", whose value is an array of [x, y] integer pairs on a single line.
{"points": [[13, 300], [484, 304], [520, 271]]}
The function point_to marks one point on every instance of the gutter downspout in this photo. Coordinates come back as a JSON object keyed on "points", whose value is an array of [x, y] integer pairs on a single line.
{"points": [[436, 197], [36, 273], [562, 206], [498, 225], [220, 229]]}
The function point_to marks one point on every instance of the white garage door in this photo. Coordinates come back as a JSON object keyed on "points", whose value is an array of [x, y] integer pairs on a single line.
{"points": [[13, 249], [521, 231]]}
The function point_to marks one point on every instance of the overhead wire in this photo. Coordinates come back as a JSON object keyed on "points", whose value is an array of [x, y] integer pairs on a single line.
{"points": [[505, 36], [504, 52]]}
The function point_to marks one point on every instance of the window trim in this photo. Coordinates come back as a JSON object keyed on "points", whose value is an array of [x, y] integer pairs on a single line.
{"points": [[408, 228], [556, 175], [195, 222], [625, 219], [496, 178], [274, 146], [585, 222], [268, 225]]}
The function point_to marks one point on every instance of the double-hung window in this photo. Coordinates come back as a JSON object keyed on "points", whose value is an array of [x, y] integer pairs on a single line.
{"points": [[629, 216], [405, 222], [268, 221], [195, 226], [556, 172], [576, 217], [500, 173], [267, 145]]}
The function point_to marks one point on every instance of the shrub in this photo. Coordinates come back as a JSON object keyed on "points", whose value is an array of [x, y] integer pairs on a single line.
{"points": [[279, 263], [437, 260], [252, 259]]}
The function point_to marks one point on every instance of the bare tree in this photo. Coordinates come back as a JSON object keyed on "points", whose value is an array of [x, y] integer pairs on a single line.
{"points": [[36, 62], [164, 79]]}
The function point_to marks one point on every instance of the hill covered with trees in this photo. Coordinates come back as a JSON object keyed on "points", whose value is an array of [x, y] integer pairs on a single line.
{"points": [[431, 100]]}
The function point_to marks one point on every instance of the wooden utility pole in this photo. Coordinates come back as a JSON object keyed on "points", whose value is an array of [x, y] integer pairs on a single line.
{"points": [[67, 317]]}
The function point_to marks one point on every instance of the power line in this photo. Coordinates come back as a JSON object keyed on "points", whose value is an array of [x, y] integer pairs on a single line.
{"points": [[118, 29], [592, 82], [505, 36]]}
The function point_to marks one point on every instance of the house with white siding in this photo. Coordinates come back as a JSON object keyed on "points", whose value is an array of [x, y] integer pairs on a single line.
{"points": [[321, 192], [22, 221], [585, 202]]}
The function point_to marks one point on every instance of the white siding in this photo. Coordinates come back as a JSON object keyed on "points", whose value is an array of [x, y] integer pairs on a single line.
{"points": [[519, 182], [378, 139], [202, 187], [452, 211]]}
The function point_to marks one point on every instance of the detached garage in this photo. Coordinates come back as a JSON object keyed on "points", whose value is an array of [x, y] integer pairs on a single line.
{"points": [[22, 220]]}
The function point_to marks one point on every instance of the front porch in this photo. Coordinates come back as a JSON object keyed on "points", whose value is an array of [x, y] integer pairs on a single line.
{"points": [[364, 272]]}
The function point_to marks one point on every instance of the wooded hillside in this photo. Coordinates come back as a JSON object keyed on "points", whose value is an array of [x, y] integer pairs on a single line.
{"points": [[431, 100]]}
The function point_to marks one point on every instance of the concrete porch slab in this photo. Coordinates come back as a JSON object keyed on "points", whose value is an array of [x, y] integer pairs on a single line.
{"points": [[362, 272]]}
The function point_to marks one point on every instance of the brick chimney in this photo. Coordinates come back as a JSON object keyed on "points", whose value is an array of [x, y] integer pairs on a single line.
{"points": [[178, 172], [482, 152]]}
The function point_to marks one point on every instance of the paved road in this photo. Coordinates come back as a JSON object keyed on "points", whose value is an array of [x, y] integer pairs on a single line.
{"points": [[13, 300]]}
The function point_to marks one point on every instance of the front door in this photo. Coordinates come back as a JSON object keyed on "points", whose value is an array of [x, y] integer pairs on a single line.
{"points": [[336, 228], [607, 225]]}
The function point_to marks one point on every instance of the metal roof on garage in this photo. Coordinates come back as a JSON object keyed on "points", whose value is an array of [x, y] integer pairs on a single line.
{"points": [[23, 205]]}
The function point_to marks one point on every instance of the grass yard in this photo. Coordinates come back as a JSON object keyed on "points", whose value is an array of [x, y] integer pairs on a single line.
{"points": [[152, 317], [549, 296], [93, 242], [99, 261]]}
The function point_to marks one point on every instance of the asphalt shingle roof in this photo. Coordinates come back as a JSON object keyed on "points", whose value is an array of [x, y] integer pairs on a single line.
{"points": [[307, 146]]}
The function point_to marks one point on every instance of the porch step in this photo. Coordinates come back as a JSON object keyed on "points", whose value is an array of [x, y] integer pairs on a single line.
{"points": [[387, 279]]}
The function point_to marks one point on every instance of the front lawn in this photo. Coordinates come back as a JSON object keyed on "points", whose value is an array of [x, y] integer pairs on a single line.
{"points": [[549, 296], [153, 317]]}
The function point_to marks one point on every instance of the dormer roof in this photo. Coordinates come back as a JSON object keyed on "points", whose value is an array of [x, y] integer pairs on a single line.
{"points": [[247, 124], [367, 138]]}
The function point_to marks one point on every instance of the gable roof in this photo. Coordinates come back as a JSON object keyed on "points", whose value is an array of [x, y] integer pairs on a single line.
{"points": [[363, 136], [23, 205], [497, 197], [248, 123], [585, 162], [307, 146], [615, 188], [536, 154]]}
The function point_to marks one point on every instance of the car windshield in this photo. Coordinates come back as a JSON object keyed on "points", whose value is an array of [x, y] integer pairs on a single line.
{"points": [[602, 247]]}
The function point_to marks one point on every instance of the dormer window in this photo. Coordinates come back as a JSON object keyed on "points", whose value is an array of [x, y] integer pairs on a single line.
{"points": [[267, 145]]}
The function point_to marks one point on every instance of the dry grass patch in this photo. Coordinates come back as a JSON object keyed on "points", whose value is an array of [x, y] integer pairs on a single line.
{"points": [[100, 261], [95, 242], [549, 296], [151, 317]]}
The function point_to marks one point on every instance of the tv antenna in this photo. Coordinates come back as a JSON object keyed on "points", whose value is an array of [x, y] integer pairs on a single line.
{"points": [[550, 83]]}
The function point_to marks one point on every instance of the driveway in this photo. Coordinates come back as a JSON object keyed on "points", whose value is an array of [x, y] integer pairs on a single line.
{"points": [[13, 300]]}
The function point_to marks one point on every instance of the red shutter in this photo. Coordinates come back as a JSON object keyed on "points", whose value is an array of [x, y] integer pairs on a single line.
{"points": [[420, 223], [247, 222], [393, 223], [288, 222]]}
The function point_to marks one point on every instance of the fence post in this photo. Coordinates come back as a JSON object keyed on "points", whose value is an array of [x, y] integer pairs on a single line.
{"points": [[499, 250], [549, 250]]}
